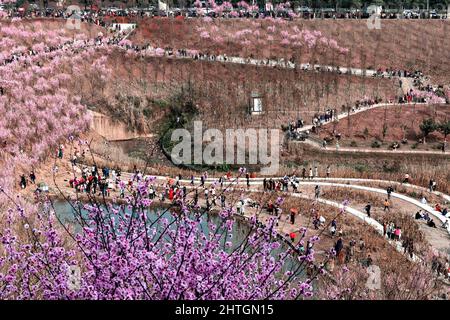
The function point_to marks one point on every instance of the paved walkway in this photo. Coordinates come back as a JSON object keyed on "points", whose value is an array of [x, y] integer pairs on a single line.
{"points": [[362, 216], [354, 212], [258, 181], [281, 63], [318, 143]]}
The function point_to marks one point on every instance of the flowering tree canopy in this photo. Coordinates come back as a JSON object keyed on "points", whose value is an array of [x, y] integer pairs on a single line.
{"points": [[126, 252]]}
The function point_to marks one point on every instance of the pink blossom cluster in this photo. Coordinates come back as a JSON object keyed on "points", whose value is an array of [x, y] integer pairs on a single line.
{"points": [[278, 32], [40, 102], [225, 6], [429, 96], [283, 6], [123, 252]]}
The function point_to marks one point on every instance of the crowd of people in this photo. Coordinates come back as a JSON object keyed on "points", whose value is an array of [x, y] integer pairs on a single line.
{"points": [[354, 251], [104, 17], [441, 266], [421, 215], [292, 181], [104, 181], [92, 180], [389, 73], [24, 181], [71, 45], [327, 116]]}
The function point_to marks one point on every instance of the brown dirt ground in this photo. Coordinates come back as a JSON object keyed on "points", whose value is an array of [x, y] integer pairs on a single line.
{"points": [[402, 121], [407, 44]]}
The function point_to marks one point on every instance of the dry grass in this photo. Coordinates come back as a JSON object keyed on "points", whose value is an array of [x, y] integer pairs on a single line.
{"points": [[407, 44], [383, 166], [222, 90], [401, 121]]}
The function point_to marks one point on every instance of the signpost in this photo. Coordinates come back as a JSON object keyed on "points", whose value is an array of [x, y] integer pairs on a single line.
{"points": [[256, 104]]}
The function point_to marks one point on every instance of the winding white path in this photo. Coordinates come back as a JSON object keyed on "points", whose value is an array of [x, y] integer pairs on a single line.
{"points": [[258, 181], [344, 115], [282, 63], [360, 215], [354, 212]]}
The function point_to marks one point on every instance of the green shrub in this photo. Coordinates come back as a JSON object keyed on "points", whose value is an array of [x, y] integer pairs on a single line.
{"points": [[147, 112], [413, 194], [361, 167], [376, 144]]}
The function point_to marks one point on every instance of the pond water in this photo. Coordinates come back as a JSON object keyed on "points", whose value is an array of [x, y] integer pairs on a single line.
{"points": [[241, 228]]}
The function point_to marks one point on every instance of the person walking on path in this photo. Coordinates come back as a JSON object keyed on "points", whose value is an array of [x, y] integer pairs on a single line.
{"points": [[202, 181], [60, 151], [292, 215], [328, 171], [389, 191], [387, 205], [316, 172], [33, 177], [23, 181], [367, 208], [406, 179], [310, 174], [338, 246], [292, 236], [317, 191]]}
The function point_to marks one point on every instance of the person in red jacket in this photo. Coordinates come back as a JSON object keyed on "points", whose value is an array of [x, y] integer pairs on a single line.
{"points": [[171, 194]]}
